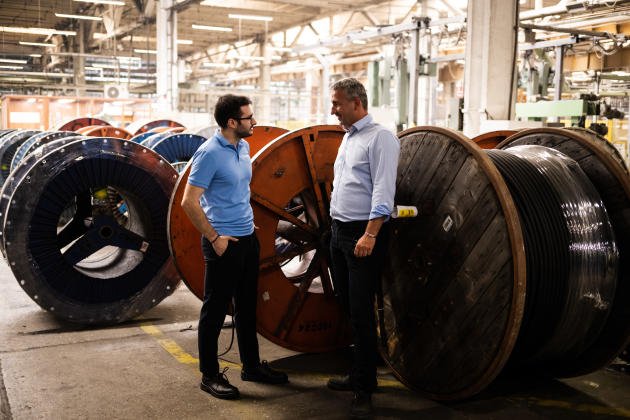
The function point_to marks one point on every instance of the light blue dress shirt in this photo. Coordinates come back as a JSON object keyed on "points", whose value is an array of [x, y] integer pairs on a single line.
{"points": [[224, 171], [365, 173]]}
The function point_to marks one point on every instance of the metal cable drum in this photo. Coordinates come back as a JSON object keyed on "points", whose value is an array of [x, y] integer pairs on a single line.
{"points": [[34, 142], [178, 148], [291, 185], [6, 131], [184, 239], [207, 131], [77, 123], [491, 139], [138, 138], [153, 139], [8, 147], [101, 272], [140, 126], [167, 129], [571, 255], [17, 175], [611, 180], [454, 281]]}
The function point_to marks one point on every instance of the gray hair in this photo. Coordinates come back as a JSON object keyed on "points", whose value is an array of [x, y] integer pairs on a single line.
{"points": [[352, 88]]}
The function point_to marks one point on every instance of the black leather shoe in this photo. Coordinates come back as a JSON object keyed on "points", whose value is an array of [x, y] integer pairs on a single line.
{"points": [[340, 383], [218, 386], [264, 374], [361, 407]]}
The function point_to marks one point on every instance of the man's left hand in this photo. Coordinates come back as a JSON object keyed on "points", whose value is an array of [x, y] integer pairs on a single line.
{"points": [[364, 246]]}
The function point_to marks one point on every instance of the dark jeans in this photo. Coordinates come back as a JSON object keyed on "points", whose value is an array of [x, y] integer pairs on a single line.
{"points": [[355, 281], [232, 275]]}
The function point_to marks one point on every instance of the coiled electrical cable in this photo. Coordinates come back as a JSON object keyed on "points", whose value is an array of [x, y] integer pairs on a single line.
{"points": [[570, 249]]}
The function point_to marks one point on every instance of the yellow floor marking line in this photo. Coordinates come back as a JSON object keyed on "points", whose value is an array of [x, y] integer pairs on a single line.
{"points": [[176, 351], [187, 359], [585, 408]]}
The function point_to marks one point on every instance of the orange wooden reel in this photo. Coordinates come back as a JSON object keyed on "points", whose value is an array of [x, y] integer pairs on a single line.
{"points": [[291, 186], [491, 139], [106, 131], [138, 127], [75, 124]]}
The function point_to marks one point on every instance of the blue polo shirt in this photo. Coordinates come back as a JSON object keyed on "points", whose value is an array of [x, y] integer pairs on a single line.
{"points": [[224, 171]]}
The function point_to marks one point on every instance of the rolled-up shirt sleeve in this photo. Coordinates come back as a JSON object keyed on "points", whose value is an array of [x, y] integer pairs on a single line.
{"points": [[383, 154]]}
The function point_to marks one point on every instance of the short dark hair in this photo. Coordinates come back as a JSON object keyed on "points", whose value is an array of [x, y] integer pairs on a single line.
{"points": [[352, 88], [229, 106]]}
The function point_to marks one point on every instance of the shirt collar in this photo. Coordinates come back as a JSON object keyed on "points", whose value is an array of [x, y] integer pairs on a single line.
{"points": [[223, 141], [361, 124]]}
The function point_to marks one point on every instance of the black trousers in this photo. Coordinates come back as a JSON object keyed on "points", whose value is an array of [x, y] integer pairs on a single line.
{"points": [[355, 281], [232, 275]]}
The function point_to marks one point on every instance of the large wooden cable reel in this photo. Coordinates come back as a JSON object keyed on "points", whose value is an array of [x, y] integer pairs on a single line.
{"points": [[600, 161], [454, 280], [291, 184]]}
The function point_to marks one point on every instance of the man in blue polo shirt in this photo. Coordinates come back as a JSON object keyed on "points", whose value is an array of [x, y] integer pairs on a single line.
{"points": [[362, 200], [216, 200]]}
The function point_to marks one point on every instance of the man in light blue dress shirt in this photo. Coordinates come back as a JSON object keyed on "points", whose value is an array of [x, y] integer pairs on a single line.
{"points": [[362, 201]]}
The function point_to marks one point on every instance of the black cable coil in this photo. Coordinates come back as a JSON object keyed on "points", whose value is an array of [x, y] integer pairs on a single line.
{"points": [[570, 249]]}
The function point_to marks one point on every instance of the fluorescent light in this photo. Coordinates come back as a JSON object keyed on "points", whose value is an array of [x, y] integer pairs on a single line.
{"points": [[66, 101], [212, 28], [139, 51], [112, 2], [12, 67], [184, 41], [63, 15], [359, 41], [35, 55], [204, 82], [250, 17], [35, 31], [9, 60], [38, 44]]}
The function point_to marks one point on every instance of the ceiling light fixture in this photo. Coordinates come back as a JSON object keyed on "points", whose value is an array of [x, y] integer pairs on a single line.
{"points": [[12, 67], [63, 15], [250, 17], [140, 51], [211, 28], [35, 31], [37, 44], [112, 2], [184, 41], [35, 55], [12, 61]]}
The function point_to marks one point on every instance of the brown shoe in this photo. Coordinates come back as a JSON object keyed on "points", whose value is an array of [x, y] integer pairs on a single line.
{"points": [[218, 386]]}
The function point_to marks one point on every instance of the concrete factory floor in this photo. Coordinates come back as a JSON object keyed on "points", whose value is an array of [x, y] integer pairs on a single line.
{"points": [[147, 368]]}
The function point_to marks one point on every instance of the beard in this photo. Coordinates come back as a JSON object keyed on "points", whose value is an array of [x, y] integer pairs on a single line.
{"points": [[242, 132]]}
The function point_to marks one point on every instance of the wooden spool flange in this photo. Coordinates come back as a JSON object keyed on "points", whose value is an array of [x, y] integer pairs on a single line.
{"points": [[454, 281], [77, 123]]}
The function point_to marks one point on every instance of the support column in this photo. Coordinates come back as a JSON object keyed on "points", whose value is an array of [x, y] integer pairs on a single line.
{"points": [[264, 83], [489, 81], [325, 88], [414, 57], [166, 61], [78, 61]]}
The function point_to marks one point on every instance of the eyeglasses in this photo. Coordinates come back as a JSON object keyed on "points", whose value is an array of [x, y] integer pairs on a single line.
{"points": [[250, 118]]}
